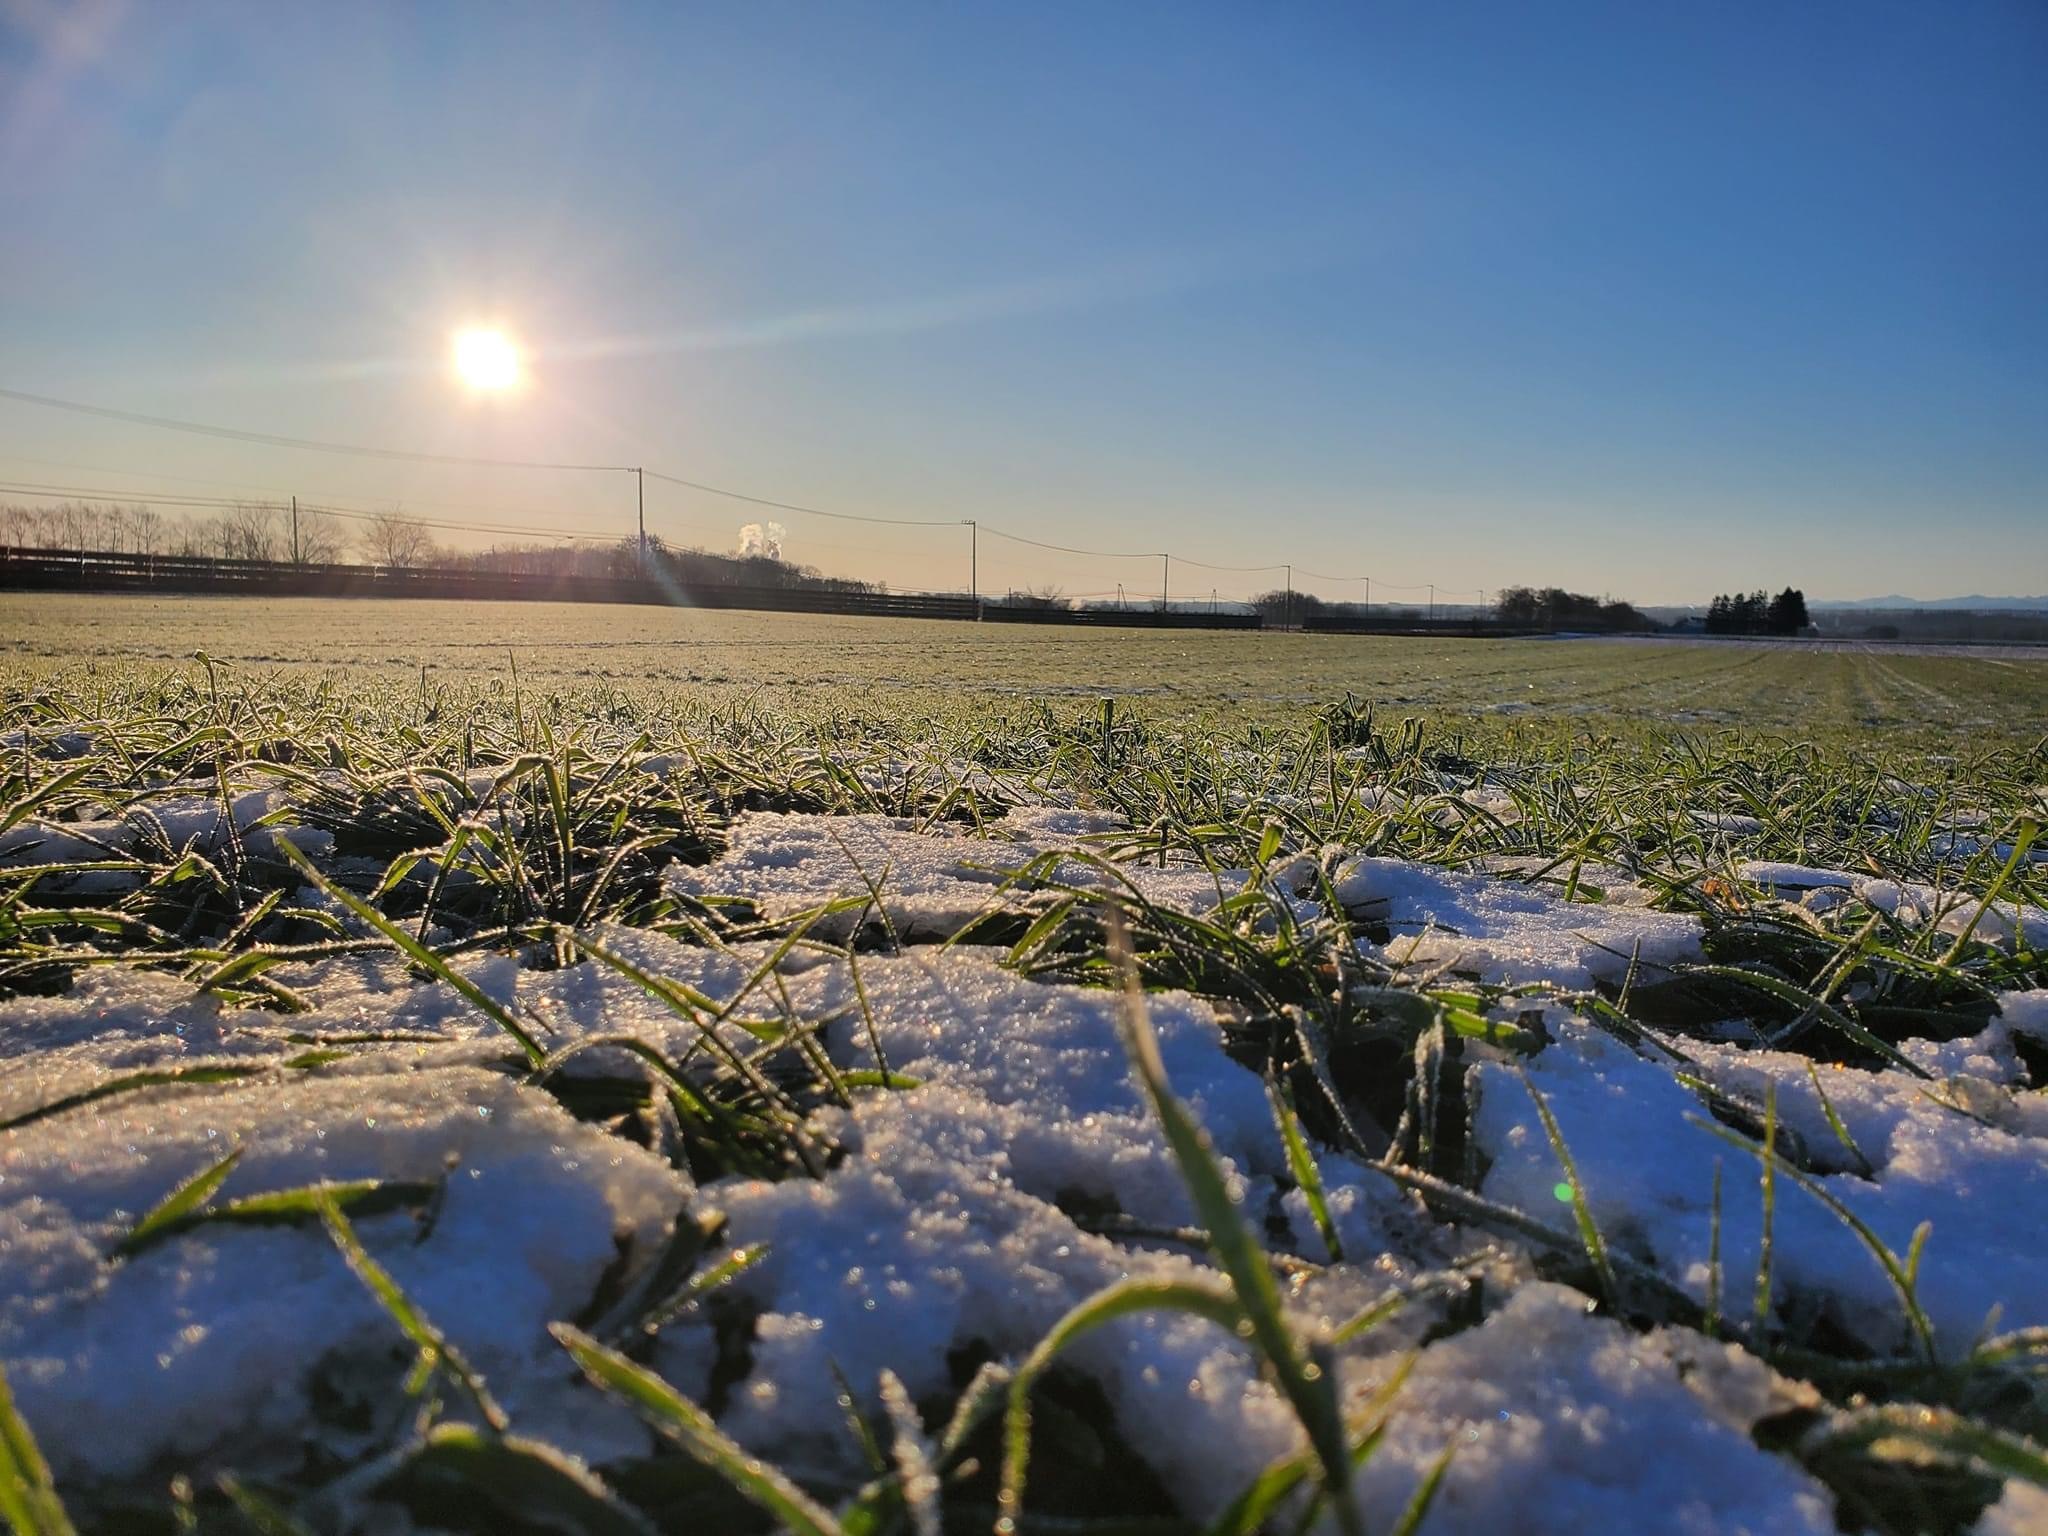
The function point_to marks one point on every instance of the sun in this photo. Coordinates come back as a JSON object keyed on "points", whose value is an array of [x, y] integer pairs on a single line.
{"points": [[487, 360]]}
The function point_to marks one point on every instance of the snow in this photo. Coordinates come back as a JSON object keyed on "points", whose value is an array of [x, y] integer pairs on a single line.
{"points": [[211, 1339], [1911, 903], [968, 1213], [1508, 931], [932, 881], [1648, 1171], [1568, 1423]]}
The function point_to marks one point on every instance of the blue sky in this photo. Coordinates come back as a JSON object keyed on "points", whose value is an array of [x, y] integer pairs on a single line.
{"points": [[1616, 297]]}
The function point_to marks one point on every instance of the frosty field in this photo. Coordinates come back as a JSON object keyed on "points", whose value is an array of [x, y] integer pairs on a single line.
{"points": [[751, 1073], [821, 664]]}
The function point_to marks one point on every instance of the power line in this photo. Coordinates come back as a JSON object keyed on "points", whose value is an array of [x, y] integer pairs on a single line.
{"points": [[790, 506], [315, 445], [1205, 565], [1093, 554]]}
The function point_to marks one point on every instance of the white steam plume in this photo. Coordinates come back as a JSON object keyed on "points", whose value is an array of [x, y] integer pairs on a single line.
{"points": [[758, 540]]}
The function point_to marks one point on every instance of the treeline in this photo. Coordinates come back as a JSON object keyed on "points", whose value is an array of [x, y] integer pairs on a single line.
{"points": [[1758, 613], [1555, 608], [393, 541]]}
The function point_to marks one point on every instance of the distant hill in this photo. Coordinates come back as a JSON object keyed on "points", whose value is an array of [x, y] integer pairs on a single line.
{"points": [[1973, 603]]}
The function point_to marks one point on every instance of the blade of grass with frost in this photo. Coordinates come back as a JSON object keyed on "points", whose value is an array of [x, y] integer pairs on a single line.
{"points": [[528, 1481], [1302, 1164], [417, 952], [1310, 1036], [22, 806], [262, 1515], [916, 1470], [857, 1422], [179, 1204], [1425, 1494], [1946, 1434], [1211, 1299], [1895, 1271], [1582, 1213], [1808, 1004], [1481, 1211], [1761, 1311], [435, 1352], [692, 1007], [1312, 1394], [704, 1283], [692, 1428], [1249, 1513], [130, 1082], [284, 1207], [2029, 829], [690, 1102], [28, 1494], [1827, 1107]]}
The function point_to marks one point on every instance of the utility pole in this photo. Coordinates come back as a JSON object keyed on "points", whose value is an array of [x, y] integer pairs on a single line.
{"points": [[1212, 600], [1288, 620], [973, 563], [1432, 602], [295, 530], [1165, 580], [1368, 591], [640, 477]]}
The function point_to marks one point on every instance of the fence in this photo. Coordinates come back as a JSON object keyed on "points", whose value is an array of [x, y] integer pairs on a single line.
{"points": [[41, 570], [1398, 624]]}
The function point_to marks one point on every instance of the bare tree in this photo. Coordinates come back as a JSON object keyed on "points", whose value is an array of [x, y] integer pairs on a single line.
{"points": [[250, 532], [395, 540], [146, 530], [321, 538]]}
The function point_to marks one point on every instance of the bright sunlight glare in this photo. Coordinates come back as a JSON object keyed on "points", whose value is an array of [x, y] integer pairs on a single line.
{"points": [[486, 359]]}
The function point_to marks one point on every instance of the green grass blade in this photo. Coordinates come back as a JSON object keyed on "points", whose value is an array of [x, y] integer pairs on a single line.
{"points": [[129, 1083], [1212, 1300], [1425, 1494], [434, 1348], [1582, 1213], [28, 1495], [1311, 1393], [692, 1428], [1302, 1164], [418, 953], [178, 1205]]}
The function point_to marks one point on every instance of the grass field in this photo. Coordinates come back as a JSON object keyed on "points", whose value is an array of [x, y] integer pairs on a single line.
{"points": [[753, 1072], [818, 663]]}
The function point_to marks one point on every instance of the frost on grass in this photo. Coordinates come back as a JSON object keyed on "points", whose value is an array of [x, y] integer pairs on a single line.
{"points": [[930, 882]]}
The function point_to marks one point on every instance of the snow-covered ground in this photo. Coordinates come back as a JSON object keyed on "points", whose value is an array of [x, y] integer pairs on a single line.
{"points": [[1020, 1174]]}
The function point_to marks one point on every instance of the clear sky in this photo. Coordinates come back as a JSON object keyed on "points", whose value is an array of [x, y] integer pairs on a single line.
{"points": [[1647, 299]]}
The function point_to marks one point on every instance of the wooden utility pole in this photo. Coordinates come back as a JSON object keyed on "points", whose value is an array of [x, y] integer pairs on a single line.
{"points": [[295, 530]]}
